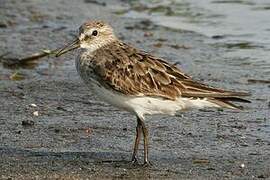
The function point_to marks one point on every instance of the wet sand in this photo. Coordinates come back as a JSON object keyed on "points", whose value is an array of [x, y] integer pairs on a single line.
{"points": [[75, 136]]}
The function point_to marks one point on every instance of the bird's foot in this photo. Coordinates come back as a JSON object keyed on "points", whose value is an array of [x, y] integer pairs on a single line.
{"points": [[147, 164], [134, 161]]}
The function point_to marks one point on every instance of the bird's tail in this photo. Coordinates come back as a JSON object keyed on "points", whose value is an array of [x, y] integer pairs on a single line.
{"points": [[226, 102], [217, 100]]}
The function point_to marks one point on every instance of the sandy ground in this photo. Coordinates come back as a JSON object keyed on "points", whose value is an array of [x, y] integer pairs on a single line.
{"points": [[76, 136]]}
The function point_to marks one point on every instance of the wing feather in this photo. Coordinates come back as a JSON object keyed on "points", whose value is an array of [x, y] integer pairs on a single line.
{"points": [[133, 72]]}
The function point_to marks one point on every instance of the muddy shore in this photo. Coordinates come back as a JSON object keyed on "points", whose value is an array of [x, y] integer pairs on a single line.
{"points": [[75, 136]]}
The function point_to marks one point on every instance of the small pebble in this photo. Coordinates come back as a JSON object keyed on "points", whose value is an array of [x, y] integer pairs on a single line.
{"points": [[218, 37], [148, 34], [18, 132], [56, 130], [242, 165], [88, 130], [261, 176], [157, 45], [3, 25], [35, 113], [33, 105]]}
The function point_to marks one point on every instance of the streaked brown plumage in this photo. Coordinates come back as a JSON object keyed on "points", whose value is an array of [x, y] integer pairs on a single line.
{"points": [[132, 79], [133, 72]]}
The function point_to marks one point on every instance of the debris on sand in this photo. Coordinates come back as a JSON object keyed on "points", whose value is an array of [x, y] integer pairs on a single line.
{"points": [[262, 81], [28, 123], [28, 60], [16, 76], [158, 45], [176, 46], [95, 2], [200, 161]]}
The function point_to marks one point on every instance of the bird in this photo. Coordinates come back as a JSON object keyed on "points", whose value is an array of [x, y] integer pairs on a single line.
{"points": [[139, 82]]}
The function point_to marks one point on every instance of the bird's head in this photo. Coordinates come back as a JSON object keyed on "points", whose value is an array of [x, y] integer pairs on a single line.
{"points": [[92, 36]]}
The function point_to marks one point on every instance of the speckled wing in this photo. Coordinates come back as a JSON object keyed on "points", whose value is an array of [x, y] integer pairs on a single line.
{"points": [[133, 72]]}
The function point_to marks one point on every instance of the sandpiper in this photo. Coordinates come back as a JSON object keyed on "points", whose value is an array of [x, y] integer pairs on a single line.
{"points": [[138, 82]]}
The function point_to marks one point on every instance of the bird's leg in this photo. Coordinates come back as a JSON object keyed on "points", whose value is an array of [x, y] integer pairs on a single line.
{"points": [[137, 140], [145, 141]]}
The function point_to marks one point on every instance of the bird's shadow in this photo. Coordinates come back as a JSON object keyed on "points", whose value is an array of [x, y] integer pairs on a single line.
{"points": [[103, 158]]}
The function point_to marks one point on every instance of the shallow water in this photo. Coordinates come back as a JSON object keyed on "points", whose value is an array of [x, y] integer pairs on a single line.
{"points": [[241, 27]]}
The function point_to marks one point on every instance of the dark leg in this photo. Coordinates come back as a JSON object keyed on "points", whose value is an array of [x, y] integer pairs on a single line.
{"points": [[145, 141], [137, 140]]}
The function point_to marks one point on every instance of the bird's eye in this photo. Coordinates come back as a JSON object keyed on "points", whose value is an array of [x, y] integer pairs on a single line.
{"points": [[94, 33]]}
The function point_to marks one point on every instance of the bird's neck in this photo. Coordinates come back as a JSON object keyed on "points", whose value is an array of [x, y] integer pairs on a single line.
{"points": [[99, 46]]}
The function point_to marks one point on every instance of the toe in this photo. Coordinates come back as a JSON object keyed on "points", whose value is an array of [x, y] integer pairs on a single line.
{"points": [[147, 164], [134, 161]]}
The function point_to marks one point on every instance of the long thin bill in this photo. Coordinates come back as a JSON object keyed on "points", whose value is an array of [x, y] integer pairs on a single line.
{"points": [[69, 47]]}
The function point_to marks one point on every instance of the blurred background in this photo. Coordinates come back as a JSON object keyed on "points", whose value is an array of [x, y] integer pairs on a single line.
{"points": [[51, 126]]}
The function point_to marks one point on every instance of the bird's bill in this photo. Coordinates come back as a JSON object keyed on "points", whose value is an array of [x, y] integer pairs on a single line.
{"points": [[69, 47]]}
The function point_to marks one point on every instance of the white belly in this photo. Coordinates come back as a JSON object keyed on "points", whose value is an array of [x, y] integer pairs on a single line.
{"points": [[141, 105]]}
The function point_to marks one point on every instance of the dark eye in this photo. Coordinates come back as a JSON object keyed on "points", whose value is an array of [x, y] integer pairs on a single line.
{"points": [[94, 33]]}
